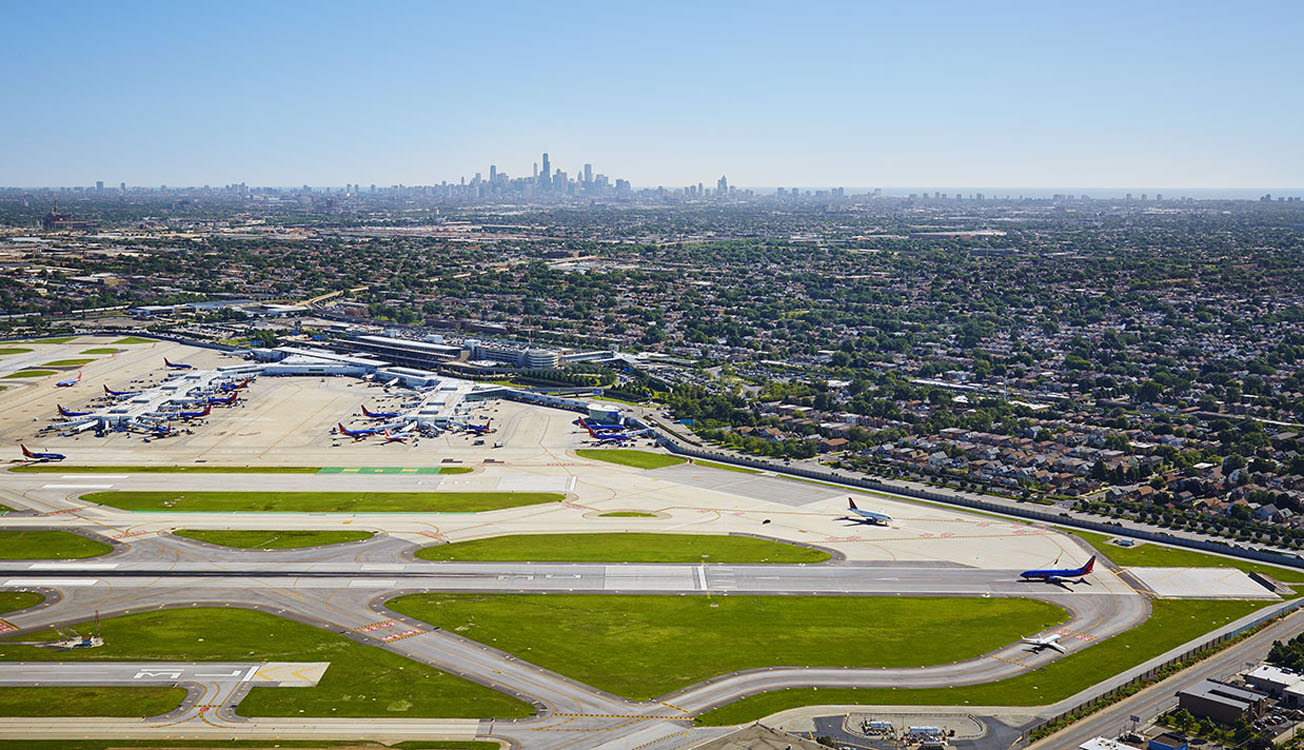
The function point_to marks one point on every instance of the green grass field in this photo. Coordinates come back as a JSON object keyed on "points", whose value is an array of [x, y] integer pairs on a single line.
{"points": [[13, 350], [54, 340], [625, 547], [5, 509], [725, 467], [1172, 623], [134, 340], [12, 601], [47, 544], [30, 374], [248, 744], [89, 701], [1147, 555], [629, 457], [69, 362], [149, 469], [272, 539], [361, 680], [321, 502], [627, 514], [101, 350], [644, 646]]}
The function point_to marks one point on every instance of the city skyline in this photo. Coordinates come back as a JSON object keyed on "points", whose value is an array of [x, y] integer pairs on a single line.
{"points": [[1162, 95]]}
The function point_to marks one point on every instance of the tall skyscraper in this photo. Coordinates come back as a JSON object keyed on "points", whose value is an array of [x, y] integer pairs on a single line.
{"points": [[722, 185], [99, 186], [493, 174], [545, 175], [588, 174]]}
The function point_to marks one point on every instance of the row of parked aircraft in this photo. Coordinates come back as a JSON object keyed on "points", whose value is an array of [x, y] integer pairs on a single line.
{"points": [[70, 382], [609, 434], [404, 428]]}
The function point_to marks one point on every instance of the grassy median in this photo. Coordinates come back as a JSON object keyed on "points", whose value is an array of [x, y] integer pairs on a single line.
{"points": [[725, 467], [30, 374], [12, 601], [1172, 623], [248, 744], [644, 646], [630, 457], [362, 681], [47, 544], [624, 548], [271, 538], [321, 502]]}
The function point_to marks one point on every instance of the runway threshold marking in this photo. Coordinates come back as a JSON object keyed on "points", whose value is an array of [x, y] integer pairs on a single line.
{"points": [[379, 470], [6, 626], [76, 486], [1012, 661]]}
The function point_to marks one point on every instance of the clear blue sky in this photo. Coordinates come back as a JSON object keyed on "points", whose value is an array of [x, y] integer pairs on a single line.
{"points": [[1000, 94]]}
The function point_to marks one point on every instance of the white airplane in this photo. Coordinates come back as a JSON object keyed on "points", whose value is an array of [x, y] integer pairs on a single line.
{"points": [[865, 516], [1046, 641]]}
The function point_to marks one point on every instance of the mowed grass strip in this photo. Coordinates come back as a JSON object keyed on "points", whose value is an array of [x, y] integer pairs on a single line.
{"points": [[630, 457], [89, 701], [644, 646], [30, 374], [133, 340], [627, 514], [48, 544], [53, 340], [150, 469], [12, 601], [624, 547], [13, 350], [362, 681], [68, 362], [725, 467], [271, 538], [321, 502], [1172, 623], [249, 744], [1149, 555], [101, 350]]}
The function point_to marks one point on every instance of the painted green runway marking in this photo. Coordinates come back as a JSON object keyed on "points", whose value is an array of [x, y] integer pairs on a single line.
{"points": [[378, 470]]}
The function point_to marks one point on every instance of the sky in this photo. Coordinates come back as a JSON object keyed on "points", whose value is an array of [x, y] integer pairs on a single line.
{"points": [[802, 93]]}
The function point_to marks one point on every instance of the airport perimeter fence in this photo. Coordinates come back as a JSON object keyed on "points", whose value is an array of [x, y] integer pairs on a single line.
{"points": [[977, 504], [1107, 696]]}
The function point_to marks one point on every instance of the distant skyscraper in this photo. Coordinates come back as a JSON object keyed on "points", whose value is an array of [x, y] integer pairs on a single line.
{"points": [[493, 174], [545, 175], [99, 186], [722, 185], [122, 186], [588, 174]]}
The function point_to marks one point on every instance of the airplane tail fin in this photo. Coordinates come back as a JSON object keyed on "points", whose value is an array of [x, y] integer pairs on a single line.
{"points": [[79, 374], [26, 452], [343, 429], [851, 504], [62, 411], [366, 413], [1090, 564], [166, 362], [107, 392]]}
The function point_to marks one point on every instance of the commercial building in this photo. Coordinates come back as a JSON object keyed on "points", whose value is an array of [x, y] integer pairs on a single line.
{"points": [[1224, 703]]}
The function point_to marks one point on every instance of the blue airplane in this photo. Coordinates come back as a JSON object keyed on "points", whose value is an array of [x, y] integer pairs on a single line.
{"points": [[593, 427], [234, 386], [70, 382], [197, 414], [378, 414], [120, 394], [227, 399], [479, 429], [1059, 575], [41, 456], [177, 365], [65, 413], [357, 434], [866, 516]]}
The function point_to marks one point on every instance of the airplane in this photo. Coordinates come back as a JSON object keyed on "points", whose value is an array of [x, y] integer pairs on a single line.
{"points": [[357, 434], [208, 409], [592, 427], [610, 438], [234, 386], [1060, 575], [378, 414], [177, 365], [120, 394], [41, 456], [70, 382], [65, 413], [227, 399], [395, 437], [866, 516], [479, 429], [1046, 641]]}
